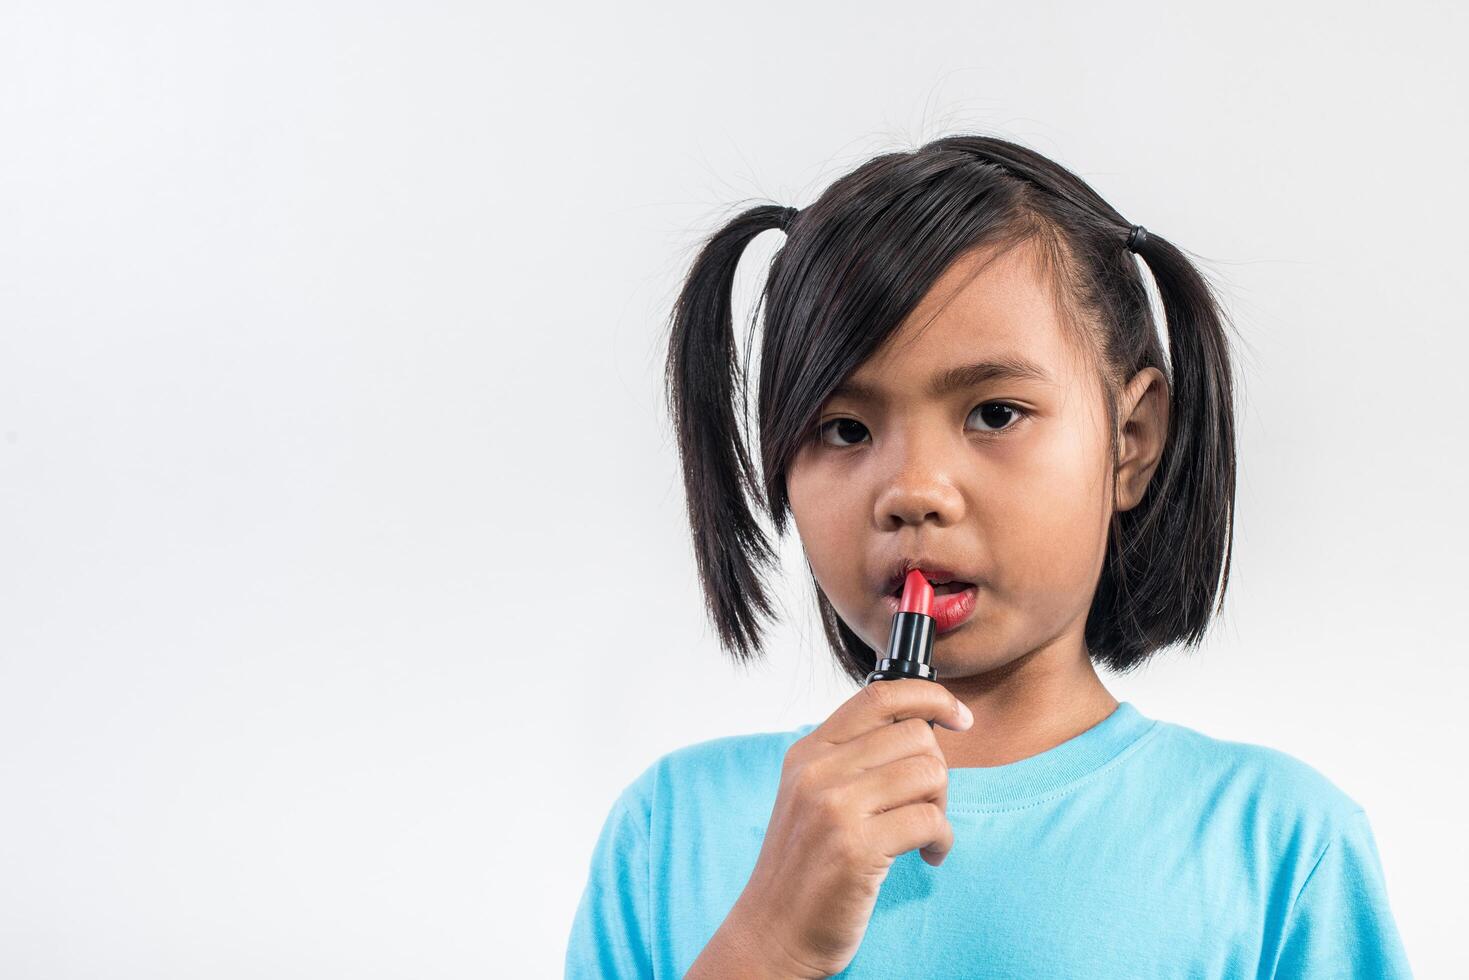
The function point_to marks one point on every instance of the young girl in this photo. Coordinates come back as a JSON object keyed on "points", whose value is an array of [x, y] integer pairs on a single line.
{"points": [[961, 373]]}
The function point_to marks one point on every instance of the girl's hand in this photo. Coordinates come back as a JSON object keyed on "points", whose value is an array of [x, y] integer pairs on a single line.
{"points": [[866, 785]]}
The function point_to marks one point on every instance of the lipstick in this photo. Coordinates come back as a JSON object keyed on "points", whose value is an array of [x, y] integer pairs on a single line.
{"points": [[910, 644]]}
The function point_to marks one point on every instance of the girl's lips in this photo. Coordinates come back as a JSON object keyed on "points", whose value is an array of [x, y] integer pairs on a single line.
{"points": [[948, 610]]}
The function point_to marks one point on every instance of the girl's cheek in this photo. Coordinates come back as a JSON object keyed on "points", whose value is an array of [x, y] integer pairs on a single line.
{"points": [[1042, 504], [1056, 545]]}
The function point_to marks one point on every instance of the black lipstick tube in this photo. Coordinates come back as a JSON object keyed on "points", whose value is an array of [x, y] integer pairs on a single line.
{"points": [[910, 649]]}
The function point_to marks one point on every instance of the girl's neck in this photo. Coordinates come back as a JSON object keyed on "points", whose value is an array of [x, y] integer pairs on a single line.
{"points": [[1031, 704]]}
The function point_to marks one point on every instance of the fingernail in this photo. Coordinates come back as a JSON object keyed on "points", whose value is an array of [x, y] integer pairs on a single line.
{"points": [[965, 714]]}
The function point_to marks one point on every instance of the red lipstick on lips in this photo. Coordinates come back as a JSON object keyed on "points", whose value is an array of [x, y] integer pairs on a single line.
{"points": [[910, 644]]}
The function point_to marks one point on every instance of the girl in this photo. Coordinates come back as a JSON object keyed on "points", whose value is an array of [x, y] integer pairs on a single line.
{"points": [[961, 374]]}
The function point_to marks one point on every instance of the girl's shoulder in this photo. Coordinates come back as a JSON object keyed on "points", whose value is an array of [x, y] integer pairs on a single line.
{"points": [[730, 770], [735, 757], [1241, 771]]}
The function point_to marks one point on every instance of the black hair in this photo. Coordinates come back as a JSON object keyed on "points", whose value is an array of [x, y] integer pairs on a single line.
{"points": [[853, 265]]}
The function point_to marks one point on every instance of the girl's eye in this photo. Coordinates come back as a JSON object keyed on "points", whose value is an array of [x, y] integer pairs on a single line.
{"points": [[846, 428], [999, 415]]}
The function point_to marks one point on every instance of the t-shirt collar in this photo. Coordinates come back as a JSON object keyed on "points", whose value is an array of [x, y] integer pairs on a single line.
{"points": [[989, 787]]}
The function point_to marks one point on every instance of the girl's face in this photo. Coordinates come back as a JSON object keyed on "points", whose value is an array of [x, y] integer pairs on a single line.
{"points": [[1001, 478]]}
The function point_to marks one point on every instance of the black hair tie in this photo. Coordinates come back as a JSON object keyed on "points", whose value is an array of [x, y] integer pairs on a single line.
{"points": [[787, 215], [1136, 238]]}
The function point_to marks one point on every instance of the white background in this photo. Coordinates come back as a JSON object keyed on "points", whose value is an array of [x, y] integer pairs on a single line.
{"points": [[335, 485]]}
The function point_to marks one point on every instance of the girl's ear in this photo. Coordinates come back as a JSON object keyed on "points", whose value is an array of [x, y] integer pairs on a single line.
{"points": [[1143, 432]]}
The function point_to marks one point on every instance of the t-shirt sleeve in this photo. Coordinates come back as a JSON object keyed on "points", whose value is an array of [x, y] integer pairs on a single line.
{"points": [[1341, 924], [610, 935]]}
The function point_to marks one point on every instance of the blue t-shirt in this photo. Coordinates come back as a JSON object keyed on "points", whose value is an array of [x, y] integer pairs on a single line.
{"points": [[1139, 848]]}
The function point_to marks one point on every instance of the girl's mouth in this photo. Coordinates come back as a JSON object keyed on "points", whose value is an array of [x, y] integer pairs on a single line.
{"points": [[939, 588], [953, 604]]}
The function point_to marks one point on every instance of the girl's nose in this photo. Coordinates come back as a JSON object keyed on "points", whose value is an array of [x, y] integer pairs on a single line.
{"points": [[920, 489]]}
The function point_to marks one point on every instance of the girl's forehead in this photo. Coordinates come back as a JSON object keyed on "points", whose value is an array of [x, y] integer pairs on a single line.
{"points": [[982, 309]]}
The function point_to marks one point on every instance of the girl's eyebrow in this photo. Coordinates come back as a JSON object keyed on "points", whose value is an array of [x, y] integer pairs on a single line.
{"points": [[1007, 367]]}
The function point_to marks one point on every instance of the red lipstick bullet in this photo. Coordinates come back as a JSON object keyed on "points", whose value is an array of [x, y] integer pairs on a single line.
{"points": [[917, 594], [910, 644]]}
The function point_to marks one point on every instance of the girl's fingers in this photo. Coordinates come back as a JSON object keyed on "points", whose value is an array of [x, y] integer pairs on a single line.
{"points": [[887, 702]]}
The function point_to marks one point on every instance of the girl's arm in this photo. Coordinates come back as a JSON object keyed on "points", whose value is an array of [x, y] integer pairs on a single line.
{"points": [[610, 935], [740, 949], [1341, 924]]}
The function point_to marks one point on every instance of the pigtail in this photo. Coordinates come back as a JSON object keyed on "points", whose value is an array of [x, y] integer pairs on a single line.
{"points": [[1170, 560], [702, 378]]}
